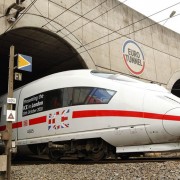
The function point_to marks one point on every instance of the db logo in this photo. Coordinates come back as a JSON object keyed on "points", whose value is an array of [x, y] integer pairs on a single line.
{"points": [[133, 57]]}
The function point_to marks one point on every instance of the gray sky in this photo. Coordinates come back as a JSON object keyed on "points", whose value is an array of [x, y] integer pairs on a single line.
{"points": [[152, 6]]}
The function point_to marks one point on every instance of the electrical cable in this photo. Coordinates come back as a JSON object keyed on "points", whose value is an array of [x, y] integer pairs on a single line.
{"points": [[72, 21], [45, 18], [81, 15], [92, 20], [132, 33], [123, 36], [124, 27], [131, 24], [62, 33], [88, 18], [62, 13]]}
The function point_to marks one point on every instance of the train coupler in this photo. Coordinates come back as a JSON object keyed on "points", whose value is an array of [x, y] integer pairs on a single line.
{"points": [[52, 145]]}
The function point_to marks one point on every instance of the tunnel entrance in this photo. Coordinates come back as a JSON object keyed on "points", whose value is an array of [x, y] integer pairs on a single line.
{"points": [[50, 54], [176, 88]]}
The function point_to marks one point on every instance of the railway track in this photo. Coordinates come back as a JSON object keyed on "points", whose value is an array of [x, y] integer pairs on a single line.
{"points": [[37, 160], [32, 167]]}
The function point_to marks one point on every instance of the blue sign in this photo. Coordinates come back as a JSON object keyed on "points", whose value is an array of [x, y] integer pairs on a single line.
{"points": [[24, 62]]}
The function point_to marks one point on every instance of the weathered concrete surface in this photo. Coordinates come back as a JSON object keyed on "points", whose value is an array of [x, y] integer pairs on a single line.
{"points": [[81, 27]]}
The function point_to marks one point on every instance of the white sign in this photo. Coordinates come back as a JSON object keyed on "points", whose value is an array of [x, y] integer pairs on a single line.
{"points": [[18, 76], [11, 100], [10, 115], [133, 57]]}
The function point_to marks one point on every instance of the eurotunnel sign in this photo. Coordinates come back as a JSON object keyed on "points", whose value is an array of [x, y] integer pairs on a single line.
{"points": [[24, 62], [133, 57]]}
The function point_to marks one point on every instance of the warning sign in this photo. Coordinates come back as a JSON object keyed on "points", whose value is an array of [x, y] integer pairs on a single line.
{"points": [[10, 115]]}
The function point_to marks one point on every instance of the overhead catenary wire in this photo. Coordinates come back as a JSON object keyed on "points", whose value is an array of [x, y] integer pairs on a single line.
{"points": [[65, 28], [131, 33], [84, 17], [121, 37], [96, 18], [25, 12], [124, 35], [81, 15], [46, 19], [116, 31], [62, 13], [124, 27]]}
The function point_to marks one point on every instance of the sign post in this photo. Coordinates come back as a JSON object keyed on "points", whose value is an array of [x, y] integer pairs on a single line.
{"points": [[8, 143], [25, 64]]}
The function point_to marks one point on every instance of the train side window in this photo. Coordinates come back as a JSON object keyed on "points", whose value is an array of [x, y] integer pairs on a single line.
{"points": [[80, 94], [67, 97], [100, 96], [54, 99]]}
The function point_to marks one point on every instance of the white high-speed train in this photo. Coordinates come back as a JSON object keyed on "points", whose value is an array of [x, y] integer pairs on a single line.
{"points": [[92, 114]]}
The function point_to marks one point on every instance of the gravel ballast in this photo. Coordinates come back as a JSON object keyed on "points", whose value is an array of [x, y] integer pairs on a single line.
{"points": [[110, 171]]}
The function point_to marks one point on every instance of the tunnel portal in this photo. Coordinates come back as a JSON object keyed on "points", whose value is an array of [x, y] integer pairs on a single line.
{"points": [[50, 54]]}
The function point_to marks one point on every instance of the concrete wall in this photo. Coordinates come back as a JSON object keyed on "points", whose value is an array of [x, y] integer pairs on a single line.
{"points": [[159, 45]]}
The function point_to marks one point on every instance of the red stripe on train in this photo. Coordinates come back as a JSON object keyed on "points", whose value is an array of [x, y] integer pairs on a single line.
{"points": [[38, 120], [2, 128], [17, 125], [101, 113], [95, 113]]}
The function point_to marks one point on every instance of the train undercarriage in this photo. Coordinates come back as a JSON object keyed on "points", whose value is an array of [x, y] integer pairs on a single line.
{"points": [[92, 149]]}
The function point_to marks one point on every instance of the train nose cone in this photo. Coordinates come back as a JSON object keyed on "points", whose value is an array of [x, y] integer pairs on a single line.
{"points": [[171, 122]]}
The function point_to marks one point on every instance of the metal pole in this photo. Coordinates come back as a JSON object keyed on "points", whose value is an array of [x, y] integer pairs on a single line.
{"points": [[9, 107]]}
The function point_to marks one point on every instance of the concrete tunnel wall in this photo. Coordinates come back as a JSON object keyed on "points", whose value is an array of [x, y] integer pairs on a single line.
{"points": [[160, 46]]}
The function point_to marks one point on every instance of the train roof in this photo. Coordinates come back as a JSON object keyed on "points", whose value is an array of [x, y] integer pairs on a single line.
{"points": [[111, 76], [130, 81], [100, 74]]}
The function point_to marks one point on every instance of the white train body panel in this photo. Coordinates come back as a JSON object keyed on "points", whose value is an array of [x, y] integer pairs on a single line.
{"points": [[137, 114]]}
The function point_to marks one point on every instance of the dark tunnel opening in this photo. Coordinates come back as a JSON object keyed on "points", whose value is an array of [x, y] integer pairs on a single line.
{"points": [[50, 54], [176, 88]]}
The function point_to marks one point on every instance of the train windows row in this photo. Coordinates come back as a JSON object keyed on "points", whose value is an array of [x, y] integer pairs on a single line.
{"points": [[66, 97]]}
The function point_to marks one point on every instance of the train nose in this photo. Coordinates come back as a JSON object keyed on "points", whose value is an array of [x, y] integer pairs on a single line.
{"points": [[171, 122]]}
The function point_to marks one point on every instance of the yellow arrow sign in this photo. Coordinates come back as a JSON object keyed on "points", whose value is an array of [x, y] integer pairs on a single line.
{"points": [[24, 62]]}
